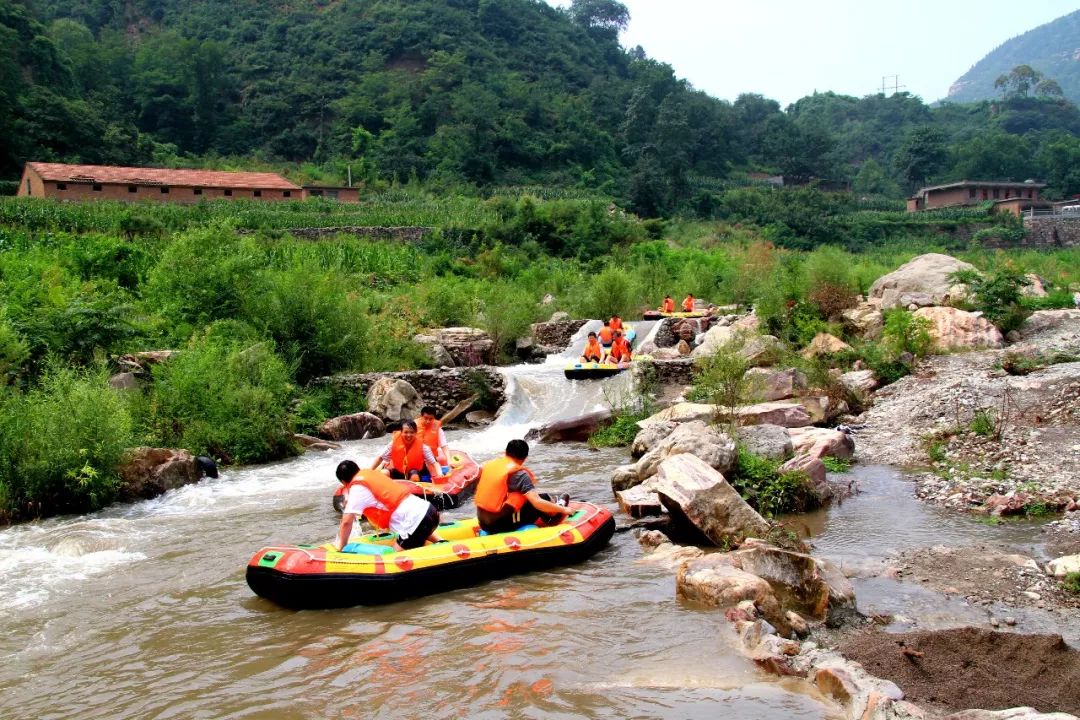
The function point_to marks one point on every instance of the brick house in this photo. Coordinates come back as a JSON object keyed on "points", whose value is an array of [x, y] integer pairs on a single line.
{"points": [[102, 182], [341, 194], [1010, 197]]}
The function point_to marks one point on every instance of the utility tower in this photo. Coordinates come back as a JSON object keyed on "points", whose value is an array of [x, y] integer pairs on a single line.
{"points": [[891, 83]]}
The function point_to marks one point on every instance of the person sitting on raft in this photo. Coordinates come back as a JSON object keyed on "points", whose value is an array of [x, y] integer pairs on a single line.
{"points": [[606, 334], [615, 323], [668, 305], [593, 352], [387, 504], [620, 350], [431, 432], [506, 497], [688, 303], [407, 457]]}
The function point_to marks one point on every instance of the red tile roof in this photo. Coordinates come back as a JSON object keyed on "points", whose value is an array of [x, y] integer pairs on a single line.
{"points": [[59, 172]]}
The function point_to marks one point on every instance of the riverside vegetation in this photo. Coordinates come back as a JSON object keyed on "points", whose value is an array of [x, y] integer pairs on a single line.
{"points": [[258, 315]]}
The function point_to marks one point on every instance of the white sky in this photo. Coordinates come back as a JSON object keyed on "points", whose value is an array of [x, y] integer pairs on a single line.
{"points": [[785, 49]]}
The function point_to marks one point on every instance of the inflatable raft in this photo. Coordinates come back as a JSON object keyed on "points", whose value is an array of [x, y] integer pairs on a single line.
{"points": [[593, 370], [372, 573], [657, 315], [445, 493]]}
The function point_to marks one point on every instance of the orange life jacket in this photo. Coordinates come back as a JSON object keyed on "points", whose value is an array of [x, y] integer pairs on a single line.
{"points": [[593, 351], [668, 305], [605, 334], [615, 323], [429, 433], [389, 493], [404, 459], [688, 303], [492, 492], [620, 349]]}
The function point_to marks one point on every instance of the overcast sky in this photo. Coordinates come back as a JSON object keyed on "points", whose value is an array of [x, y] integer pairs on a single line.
{"points": [[785, 49]]}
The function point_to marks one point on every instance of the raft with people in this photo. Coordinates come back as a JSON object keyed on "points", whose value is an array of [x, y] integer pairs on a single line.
{"points": [[445, 493], [370, 572]]}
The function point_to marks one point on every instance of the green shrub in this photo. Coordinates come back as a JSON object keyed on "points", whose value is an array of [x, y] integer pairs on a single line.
{"points": [[836, 465], [982, 423], [620, 433], [318, 404], [771, 492], [60, 443], [223, 398], [13, 350], [1056, 299], [722, 380], [905, 333], [998, 294], [1071, 582], [506, 314]]}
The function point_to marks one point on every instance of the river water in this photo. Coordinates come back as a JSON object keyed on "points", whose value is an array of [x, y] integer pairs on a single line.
{"points": [[142, 611]]}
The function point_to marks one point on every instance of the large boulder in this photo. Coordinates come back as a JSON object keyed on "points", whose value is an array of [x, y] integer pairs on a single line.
{"points": [[696, 438], [860, 382], [814, 587], [356, 426], [785, 413], [955, 329], [650, 436], [922, 281], [715, 338], [825, 344], [639, 501], [699, 497], [772, 384], [680, 413], [768, 441], [572, 429], [1062, 566], [818, 490], [394, 400], [865, 320], [822, 442], [147, 472], [712, 580], [466, 346]]}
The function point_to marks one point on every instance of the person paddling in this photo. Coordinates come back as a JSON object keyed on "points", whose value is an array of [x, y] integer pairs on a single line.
{"points": [[407, 457], [668, 305], [387, 504], [431, 432], [593, 352], [506, 497]]}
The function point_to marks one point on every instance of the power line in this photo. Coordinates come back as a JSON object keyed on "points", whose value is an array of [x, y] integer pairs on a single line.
{"points": [[895, 87]]}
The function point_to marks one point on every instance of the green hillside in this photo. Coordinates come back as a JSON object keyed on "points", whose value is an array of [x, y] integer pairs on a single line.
{"points": [[1053, 49]]}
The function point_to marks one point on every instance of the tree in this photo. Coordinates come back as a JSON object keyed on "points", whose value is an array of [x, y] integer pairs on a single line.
{"points": [[607, 16], [1022, 79], [921, 155]]}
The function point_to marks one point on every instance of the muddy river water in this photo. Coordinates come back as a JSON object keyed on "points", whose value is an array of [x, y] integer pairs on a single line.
{"points": [[141, 611]]}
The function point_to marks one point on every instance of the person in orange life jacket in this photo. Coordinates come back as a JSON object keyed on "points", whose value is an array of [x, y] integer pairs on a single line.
{"points": [[407, 457], [593, 352], [506, 497], [668, 305], [620, 350], [688, 303], [615, 323], [388, 504], [432, 433], [606, 335]]}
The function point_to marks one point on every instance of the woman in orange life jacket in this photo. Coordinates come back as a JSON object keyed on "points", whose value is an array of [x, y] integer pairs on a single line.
{"points": [[431, 432], [668, 305], [620, 349], [688, 303], [407, 457], [387, 504], [606, 334], [593, 352], [506, 498]]}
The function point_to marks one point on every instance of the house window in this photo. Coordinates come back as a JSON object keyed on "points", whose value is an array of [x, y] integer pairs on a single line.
{"points": [[96, 187], [133, 188], [228, 193], [1029, 195], [971, 193], [28, 190], [287, 193], [997, 194], [164, 190], [984, 195], [61, 186], [258, 193], [197, 191]]}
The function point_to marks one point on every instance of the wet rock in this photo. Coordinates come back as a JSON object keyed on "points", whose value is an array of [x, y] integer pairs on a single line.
{"points": [[671, 555], [649, 437], [625, 477], [1012, 503], [769, 384], [769, 441], [147, 472], [357, 426], [651, 539], [394, 400], [822, 442], [479, 417], [922, 281], [571, 430], [825, 344], [639, 501], [698, 496], [685, 330], [313, 443], [955, 329], [865, 320], [814, 469], [860, 382], [1062, 566], [713, 581]]}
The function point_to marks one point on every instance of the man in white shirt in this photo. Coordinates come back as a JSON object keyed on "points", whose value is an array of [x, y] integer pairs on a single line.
{"points": [[388, 504]]}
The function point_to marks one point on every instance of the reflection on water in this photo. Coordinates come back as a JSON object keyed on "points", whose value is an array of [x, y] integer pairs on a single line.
{"points": [[142, 611]]}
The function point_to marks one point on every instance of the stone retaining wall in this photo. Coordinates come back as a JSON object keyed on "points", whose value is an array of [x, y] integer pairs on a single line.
{"points": [[672, 372], [400, 234], [442, 388], [557, 333], [1048, 232]]}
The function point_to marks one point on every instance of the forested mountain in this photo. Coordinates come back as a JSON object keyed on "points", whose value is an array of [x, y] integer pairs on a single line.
{"points": [[460, 94], [1052, 49]]}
